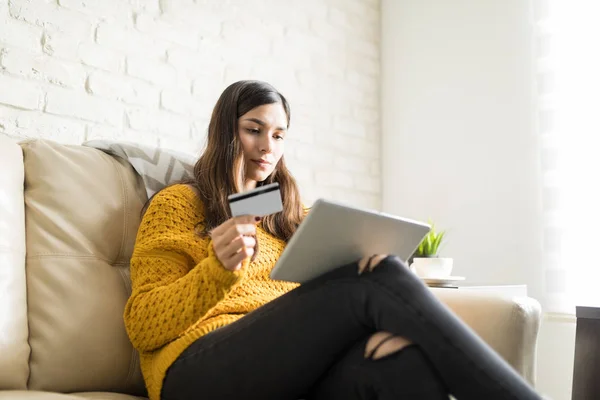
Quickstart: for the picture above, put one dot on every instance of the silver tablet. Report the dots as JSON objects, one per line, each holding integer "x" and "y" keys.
{"x": 333, "y": 235}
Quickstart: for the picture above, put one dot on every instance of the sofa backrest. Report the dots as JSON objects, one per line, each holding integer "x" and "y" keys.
{"x": 14, "y": 348}
{"x": 82, "y": 211}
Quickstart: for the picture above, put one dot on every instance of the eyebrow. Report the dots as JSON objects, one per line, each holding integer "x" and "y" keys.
{"x": 261, "y": 123}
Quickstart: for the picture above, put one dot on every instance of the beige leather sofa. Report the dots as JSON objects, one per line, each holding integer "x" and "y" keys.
{"x": 68, "y": 219}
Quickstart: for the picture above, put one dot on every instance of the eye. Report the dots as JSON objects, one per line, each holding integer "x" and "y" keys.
{"x": 253, "y": 130}
{"x": 278, "y": 137}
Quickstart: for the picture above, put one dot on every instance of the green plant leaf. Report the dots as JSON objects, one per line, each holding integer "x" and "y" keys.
{"x": 437, "y": 242}
{"x": 430, "y": 244}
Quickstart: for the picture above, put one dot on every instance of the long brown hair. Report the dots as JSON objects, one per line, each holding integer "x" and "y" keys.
{"x": 220, "y": 171}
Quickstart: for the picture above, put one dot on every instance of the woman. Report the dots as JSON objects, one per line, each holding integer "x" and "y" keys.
{"x": 209, "y": 323}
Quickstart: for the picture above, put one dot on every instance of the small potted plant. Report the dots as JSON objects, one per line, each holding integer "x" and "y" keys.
{"x": 426, "y": 262}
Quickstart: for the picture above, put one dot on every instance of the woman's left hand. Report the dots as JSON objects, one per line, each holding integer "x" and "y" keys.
{"x": 370, "y": 262}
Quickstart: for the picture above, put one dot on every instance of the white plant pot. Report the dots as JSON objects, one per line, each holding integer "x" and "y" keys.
{"x": 434, "y": 267}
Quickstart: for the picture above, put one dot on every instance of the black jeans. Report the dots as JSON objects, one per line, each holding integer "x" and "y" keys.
{"x": 310, "y": 343}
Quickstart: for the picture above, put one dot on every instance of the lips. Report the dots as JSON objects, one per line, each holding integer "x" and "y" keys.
{"x": 262, "y": 163}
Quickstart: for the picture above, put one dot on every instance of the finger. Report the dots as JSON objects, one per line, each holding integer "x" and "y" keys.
{"x": 242, "y": 219}
{"x": 232, "y": 265}
{"x": 376, "y": 260}
{"x": 362, "y": 264}
{"x": 242, "y": 241}
{"x": 233, "y": 232}
{"x": 241, "y": 256}
{"x": 238, "y": 244}
{"x": 219, "y": 230}
{"x": 249, "y": 241}
{"x": 247, "y": 219}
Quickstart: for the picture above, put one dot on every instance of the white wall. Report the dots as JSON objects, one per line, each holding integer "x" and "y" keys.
{"x": 150, "y": 71}
{"x": 458, "y": 143}
{"x": 459, "y": 146}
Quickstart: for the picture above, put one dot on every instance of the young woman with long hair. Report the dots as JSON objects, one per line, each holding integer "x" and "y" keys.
{"x": 209, "y": 323}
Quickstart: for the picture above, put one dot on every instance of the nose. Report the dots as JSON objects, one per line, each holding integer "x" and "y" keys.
{"x": 266, "y": 144}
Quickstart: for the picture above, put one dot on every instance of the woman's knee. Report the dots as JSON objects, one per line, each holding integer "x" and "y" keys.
{"x": 382, "y": 344}
{"x": 379, "y": 262}
{"x": 396, "y": 261}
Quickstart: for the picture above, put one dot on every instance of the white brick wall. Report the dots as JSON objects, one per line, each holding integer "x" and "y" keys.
{"x": 150, "y": 71}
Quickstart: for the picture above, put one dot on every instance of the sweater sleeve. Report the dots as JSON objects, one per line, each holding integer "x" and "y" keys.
{"x": 170, "y": 291}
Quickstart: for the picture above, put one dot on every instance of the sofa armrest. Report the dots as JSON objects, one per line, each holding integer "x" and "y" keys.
{"x": 509, "y": 325}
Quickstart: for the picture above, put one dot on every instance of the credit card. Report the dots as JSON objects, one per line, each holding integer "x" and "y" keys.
{"x": 262, "y": 201}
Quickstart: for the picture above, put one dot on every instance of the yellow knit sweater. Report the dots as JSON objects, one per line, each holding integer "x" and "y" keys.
{"x": 180, "y": 290}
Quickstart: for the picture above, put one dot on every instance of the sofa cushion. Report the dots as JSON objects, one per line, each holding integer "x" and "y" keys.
{"x": 36, "y": 395}
{"x": 14, "y": 349}
{"x": 82, "y": 214}
{"x": 156, "y": 166}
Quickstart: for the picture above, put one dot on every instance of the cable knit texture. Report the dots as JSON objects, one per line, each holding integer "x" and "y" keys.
{"x": 180, "y": 290}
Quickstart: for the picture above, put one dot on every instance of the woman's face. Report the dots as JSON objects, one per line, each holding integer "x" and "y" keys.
{"x": 262, "y": 131}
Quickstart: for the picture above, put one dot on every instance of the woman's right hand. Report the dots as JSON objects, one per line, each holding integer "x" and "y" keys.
{"x": 234, "y": 240}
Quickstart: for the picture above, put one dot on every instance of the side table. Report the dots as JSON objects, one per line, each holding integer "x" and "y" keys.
{"x": 586, "y": 367}
{"x": 502, "y": 290}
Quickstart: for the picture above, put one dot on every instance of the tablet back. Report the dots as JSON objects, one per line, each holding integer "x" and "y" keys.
{"x": 333, "y": 235}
